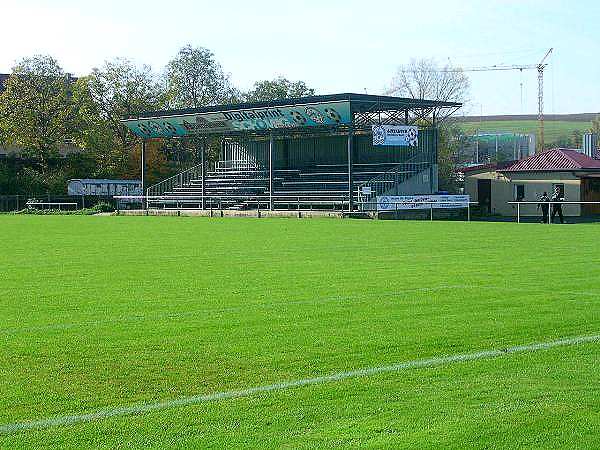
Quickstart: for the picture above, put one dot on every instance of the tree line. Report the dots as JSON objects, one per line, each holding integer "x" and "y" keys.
{"x": 66, "y": 127}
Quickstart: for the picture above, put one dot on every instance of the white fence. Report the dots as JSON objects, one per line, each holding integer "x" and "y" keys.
{"x": 549, "y": 206}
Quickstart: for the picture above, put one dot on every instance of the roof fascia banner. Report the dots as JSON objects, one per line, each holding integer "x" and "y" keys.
{"x": 252, "y": 119}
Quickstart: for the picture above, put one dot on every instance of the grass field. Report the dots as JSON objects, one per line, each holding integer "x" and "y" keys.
{"x": 553, "y": 129}
{"x": 101, "y": 313}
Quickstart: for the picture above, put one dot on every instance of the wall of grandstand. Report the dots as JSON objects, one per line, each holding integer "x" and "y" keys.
{"x": 305, "y": 151}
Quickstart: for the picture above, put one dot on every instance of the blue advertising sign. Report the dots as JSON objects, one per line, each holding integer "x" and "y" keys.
{"x": 400, "y": 135}
{"x": 253, "y": 119}
{"x": 398, "y": 202}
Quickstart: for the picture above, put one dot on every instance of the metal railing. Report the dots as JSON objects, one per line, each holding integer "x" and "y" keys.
{"x": 281, "y": 202}
{"x": 179, "y": 180}
{"x": 391, "y": 179}
{"x": 442, "y": 205}
{"x": 50, "y": 205}
{"x": 289, "y": 202}
{"x": 237, "y": 164}
{"x": 550, "y": 203}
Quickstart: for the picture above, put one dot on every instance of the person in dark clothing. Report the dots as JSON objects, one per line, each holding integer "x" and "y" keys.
{"x": 543, "y": 204}
{"x": 557, "y": 207}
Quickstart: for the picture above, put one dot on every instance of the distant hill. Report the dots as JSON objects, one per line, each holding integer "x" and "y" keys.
{"x": 559, "y": 129}
{"x": 579, "y": 117}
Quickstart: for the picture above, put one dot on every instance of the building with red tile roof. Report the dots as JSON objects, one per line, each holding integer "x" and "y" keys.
{"x": 575, "y": 174}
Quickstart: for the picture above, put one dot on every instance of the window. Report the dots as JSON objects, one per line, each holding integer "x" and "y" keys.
{"x": 519, "y": 192}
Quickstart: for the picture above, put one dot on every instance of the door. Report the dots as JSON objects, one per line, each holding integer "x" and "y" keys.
{"x": 590, "y": 192}
{"x": 484, "y": 194}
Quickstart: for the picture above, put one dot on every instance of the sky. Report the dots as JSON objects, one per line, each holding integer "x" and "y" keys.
{"x": 334, "y": 46}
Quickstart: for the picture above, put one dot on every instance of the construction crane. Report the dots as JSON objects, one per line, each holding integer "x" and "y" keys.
{"x": 540, "y": 69}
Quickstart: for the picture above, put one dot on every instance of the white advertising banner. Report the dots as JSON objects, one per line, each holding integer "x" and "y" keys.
{"x": 401, "y": 135}
{"x": 396, "y": 202}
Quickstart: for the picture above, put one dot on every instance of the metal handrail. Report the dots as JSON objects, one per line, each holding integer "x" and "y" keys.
{"x": 396, "y": 175}
{"x": 549, "y": 203}
{"x": 290, "y": 200}
{"x": 236, "y": 164}
{"x": 177, "y": 180}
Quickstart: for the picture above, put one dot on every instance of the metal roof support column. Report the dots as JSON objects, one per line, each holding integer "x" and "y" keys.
{"x": 433, "y": 179}
{"x": 203, "y": 168}
{"x": 271, "y": 143}
{"x": 143, "y": 170}
{"x": 350, "y": 174}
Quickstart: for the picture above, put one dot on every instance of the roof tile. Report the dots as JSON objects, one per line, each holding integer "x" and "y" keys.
{"x": 556, "y": 159}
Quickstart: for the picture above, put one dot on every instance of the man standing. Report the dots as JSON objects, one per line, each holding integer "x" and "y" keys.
{"x": 557, "y": 207}
{"x": 544, "y": 199}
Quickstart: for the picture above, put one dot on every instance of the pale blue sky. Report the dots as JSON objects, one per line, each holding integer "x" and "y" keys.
{"x": 335, "y": 45}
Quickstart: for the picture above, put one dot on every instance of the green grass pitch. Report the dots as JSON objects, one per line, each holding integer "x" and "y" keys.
{"x": 109, "y": 312}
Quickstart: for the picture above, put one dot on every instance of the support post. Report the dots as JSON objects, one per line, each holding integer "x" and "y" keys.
{"x": 203, "y": 168}
{"x": 271, "y": 143}
{"x": 143, "y": 170}
{"x": 350, "y": 174}
{"x": 435, "y": 183}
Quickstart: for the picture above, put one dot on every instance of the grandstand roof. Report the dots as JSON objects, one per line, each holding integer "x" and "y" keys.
{"x": 359, "y": 102}
{"x": 300, "y": 113}
{"x": 555, "y": 160}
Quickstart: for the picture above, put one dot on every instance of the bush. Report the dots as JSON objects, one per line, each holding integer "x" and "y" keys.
{"x": 101, "y": 207}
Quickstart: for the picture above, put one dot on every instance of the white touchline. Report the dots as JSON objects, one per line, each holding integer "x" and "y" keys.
{"x": 184, "y": 401}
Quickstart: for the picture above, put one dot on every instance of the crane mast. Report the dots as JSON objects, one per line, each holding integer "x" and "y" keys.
{"x": 540, "y": 69}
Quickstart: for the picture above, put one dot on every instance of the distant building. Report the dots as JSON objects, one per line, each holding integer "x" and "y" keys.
{"x": 576, "y": 174}
{"x": 3, "y": 78}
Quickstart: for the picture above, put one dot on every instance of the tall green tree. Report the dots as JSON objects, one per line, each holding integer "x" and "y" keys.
{"x": 451, "y": 139}
{"x": 194, "y": 79}
{"x": 278, "y": 88}
{"x": 117, "y": 89}
{"x": 37, "y": 111}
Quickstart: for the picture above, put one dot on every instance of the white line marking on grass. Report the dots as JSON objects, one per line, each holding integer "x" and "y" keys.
{"x": 142, "y": 408}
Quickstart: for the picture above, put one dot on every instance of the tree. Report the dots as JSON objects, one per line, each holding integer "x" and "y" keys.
{"x": 595, "y": 128}
{"x": 195, "y": 79}
{"x": 116, "y": 90}
{"x": 451, "y": 139}
{"x": 424, "y": 80}
{"x": 157, "y": 168}
{"x": 278, "y": 88}
{"x": 37, "y": 111}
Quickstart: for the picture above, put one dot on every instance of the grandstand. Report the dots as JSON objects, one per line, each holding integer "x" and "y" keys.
{"x": 310, "y": 152}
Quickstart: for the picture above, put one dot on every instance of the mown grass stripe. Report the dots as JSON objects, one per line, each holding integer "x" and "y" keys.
{"x": 185, "y": 401}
